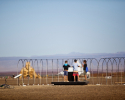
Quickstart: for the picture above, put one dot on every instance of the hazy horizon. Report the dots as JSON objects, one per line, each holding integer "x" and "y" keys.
{"x": 10, "y": 63}
{"x": 72, "y": 53}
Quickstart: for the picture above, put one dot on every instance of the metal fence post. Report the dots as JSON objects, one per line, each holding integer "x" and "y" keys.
{"x": 40, "y": 71}
{"x": 121, "y": 74}
{"x": 23, "y": 72}
{"x": 106, "y": 72}
{"x": 52, "y": 70}
{"x": 58, "y": 70}
{"x": 46, "y": 69}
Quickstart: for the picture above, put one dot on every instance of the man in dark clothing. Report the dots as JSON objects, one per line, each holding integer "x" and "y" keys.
{"x": 13, "y": 76}
{"x": 66, "y": 66}
{"x": 84, "y": 68}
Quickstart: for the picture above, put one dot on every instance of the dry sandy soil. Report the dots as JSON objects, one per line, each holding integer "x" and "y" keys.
{"x": 82, "y": 92}
{"x": 92, "y": 80}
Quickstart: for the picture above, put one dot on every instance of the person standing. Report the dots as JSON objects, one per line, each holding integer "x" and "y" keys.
{"x": 66, "y": 66}
{"x": 75, "y": 70}
{"x": 6, "y": 80}
{"x": 84, "y": 69}
{"x": 13, "y": 76}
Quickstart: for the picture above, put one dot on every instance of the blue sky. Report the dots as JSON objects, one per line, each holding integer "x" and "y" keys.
{"x": 48, "y": 27}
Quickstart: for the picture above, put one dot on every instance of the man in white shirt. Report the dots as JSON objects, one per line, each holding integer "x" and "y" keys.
{"x": 75, "y": 70}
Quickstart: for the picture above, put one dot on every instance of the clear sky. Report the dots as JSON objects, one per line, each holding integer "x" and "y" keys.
{"x": 48, "y": 27}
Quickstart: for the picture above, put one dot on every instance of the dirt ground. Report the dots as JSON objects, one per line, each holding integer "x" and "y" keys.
{"x": 92, "y": 81}
{"x": 82, "y": 92}
{"x": 64, "y": 92}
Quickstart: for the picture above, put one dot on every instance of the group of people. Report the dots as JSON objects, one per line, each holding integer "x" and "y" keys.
{"x": 75, "y": 70}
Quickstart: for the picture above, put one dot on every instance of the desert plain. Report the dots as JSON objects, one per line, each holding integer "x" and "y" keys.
{"x": 62, "y": 92}
{"x": 49, "y": 92}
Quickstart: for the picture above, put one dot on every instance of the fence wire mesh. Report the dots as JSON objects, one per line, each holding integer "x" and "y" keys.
{"x": 105, "y": 71}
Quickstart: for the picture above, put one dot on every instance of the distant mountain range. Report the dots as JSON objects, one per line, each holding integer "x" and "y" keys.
{"x": 10, "y": 63}
{"x": 80, "y": 55}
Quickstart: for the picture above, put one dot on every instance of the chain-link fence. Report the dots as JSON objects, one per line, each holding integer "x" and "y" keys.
{"x": 104, "y": 71}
